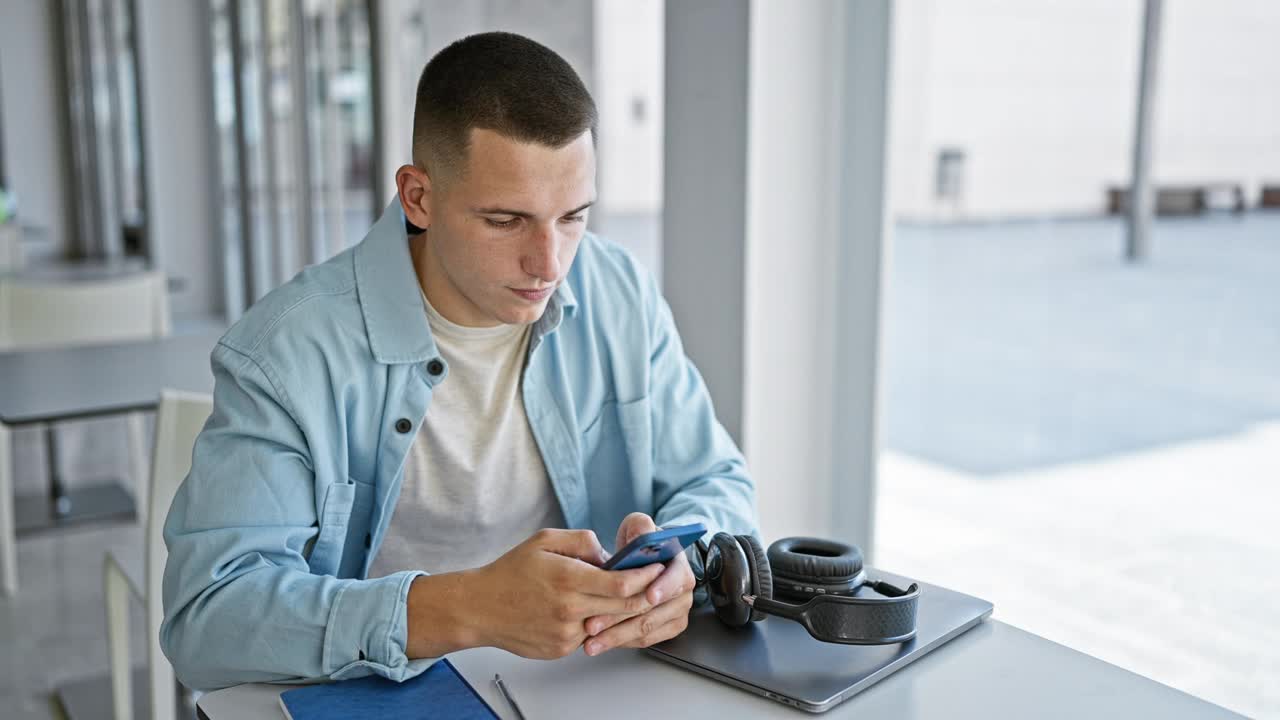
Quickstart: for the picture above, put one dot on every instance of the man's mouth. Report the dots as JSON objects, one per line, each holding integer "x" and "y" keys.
{"x": 536, "y": 295}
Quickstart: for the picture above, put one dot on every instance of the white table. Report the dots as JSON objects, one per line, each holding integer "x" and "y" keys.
{"x": 992, "y": 671}
{"x": 42, "y": 386}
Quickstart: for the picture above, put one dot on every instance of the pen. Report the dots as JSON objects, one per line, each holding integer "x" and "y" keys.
{"x": 502, "y": 688}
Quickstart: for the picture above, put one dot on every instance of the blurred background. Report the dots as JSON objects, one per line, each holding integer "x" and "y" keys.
{"x": 898, "y": 236}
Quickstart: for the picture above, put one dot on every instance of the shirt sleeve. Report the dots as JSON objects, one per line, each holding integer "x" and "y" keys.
{"x": 699, "y": 472}
{"x": 240, "y": 602}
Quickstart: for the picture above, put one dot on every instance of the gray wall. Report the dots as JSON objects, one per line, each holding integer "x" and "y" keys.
{"x": 182, "y": 189}
{"x": 36, "y": 156}
{"x": 705, "y": 192}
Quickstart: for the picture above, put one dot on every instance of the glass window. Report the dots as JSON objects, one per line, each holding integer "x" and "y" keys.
{"x": 293, "y": 86}
{"x": 629, "y": 93}
{"x": 1089, "y": 442}
{"x": 108, "y": 159}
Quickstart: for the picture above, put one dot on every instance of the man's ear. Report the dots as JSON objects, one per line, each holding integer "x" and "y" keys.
{"x": 414, "y": 187}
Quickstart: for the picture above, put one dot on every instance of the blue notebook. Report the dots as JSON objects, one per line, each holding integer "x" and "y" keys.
{"x": 440, "y": 692}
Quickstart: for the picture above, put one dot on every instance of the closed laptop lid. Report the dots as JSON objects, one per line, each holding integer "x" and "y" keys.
{"x": 777, "y": 658}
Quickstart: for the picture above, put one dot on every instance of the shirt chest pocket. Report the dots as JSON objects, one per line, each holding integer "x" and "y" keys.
{"x": 339, "y": 516}
{"x": 617, "y": 443}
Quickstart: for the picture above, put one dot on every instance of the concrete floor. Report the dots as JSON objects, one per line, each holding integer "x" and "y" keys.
{"x": 1024, "y": 344}
{"x": 54, "y": 630}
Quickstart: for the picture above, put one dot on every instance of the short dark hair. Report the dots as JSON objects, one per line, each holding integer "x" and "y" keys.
{"x": 496, "y": 81}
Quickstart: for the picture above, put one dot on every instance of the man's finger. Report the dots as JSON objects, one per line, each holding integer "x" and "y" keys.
{"x": 636, "y": 628}
{"x": 611, "y": 583}
{"x": 592, "y": 606}
{"x": 599, "y": 623}
{"x": 580, "y": 544}
{"x": 633, "y": 526}
{"x": 675, "y": 579}
{"x": 666, "y": 632}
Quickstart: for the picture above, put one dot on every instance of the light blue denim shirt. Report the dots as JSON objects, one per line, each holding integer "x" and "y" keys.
{"x": 319, "y": 391}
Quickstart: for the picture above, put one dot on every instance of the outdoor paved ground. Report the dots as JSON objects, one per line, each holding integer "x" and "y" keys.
{"x": 1018, "y": 345}
{"x": 1092, "y": 446}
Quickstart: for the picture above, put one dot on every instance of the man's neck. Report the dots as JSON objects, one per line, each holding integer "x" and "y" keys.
{"x": 436, "y": 285}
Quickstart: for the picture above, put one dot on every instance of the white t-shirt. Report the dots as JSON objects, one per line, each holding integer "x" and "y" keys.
{"x": 474, "y": 482}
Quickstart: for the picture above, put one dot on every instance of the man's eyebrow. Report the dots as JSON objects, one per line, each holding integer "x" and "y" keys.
{"x": 522, "y": 213}
{"x": 501, "y": 211}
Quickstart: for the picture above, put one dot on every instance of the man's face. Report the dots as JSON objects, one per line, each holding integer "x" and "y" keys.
{"x": 504, "y": 233}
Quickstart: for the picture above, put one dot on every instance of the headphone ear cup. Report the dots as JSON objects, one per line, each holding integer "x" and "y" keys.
{"x": 761, "y": 575}
{"x": 729, "y": 577}
{"x": 804, "y": 567}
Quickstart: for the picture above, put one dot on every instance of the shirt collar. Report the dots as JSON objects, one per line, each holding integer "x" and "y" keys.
{"x": 391, "y": 301}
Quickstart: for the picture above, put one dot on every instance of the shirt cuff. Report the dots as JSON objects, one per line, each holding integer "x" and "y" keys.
{"x": 368, "y": 630}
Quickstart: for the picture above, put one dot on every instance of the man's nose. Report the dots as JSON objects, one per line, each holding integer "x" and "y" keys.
{"x": 542, "y": 254}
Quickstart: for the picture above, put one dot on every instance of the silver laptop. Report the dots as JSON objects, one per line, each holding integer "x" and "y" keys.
{"x": 776, "y": 658}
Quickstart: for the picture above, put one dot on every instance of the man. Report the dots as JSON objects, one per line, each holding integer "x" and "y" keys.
{"x": 441, "y": 398}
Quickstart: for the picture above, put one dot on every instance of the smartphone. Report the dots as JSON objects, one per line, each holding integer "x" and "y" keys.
{"x": 656, "y": 547}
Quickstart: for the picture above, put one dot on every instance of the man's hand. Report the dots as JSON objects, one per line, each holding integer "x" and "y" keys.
{"x": 668, "y": 599}
{"x": 532, "y": 602}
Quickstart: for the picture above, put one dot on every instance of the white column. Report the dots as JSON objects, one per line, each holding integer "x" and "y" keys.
{"x": 863, "y": 233}
{"x": 774, "y": 225}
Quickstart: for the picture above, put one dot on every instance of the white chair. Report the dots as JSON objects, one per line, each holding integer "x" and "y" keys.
{"x": 62, "y": 309}
{"x": 11, "y": 255}
{"x": 179, "y": 419}
{"x": 37, "y": 313}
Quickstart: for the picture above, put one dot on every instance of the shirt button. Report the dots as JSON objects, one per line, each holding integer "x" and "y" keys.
{"x": 435, "y": 367}
{"x": 403, "y": 426}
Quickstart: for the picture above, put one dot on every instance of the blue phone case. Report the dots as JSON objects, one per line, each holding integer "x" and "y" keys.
{"x": 655, "y": 547}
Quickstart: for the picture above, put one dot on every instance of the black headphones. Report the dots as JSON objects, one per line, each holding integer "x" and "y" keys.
{"x": 742, "y": 582}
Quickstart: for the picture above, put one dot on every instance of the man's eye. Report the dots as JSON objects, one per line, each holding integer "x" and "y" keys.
{"x": 501, "y": 223}
{"x": 573, "y": 218}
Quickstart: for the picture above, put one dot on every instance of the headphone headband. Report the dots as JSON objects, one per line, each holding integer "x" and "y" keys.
{"x": 851, "y": 620}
